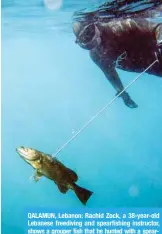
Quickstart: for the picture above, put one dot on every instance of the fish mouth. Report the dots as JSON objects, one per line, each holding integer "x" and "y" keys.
{"x": 26, "y": 153}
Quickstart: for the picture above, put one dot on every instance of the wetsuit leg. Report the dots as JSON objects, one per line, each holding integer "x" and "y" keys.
{"x": 111, "y": 74}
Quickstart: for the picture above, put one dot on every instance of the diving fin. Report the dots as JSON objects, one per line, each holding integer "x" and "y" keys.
{"x": 82, "y": 193}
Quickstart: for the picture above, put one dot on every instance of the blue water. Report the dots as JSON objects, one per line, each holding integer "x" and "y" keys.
{"x": 50, "y": 89}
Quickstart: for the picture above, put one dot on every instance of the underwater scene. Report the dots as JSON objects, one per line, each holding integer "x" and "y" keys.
{"x": 51, "y": 89}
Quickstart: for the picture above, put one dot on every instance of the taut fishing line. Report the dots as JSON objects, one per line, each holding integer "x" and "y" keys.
{"x": 102, "y": 110}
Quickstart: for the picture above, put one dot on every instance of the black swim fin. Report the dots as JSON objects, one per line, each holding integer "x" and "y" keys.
{"x": 82, "y": 194}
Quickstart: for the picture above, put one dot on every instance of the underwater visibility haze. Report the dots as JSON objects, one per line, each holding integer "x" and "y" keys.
{"x": 50, "y": 89}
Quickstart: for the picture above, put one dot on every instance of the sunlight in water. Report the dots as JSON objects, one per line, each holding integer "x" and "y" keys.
{"x": 53, "y": 4}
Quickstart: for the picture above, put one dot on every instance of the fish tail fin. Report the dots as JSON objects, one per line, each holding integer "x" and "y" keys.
{"x": 82, "y": 193}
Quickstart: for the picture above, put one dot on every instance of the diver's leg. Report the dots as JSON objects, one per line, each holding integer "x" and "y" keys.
{"x": 111, "y": 74}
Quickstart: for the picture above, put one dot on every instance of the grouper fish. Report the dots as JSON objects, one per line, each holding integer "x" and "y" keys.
{"x": 50, "y": 167}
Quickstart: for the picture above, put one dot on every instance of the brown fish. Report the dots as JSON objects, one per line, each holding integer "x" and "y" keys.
{"x": 50, "y": 167}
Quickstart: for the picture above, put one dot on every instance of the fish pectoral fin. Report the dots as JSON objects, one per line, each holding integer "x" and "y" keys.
{"x": 62, "y": 188}
{"x": 72, "y": 174}
{"x": 37, "y": 176}
{"x": 31, "y": 177}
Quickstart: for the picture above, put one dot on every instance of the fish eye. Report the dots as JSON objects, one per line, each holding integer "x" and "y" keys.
{"x": 25, "y": 149}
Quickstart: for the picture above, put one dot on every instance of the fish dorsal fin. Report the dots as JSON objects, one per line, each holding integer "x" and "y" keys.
{"x": 62, "y": 188}
{"x": 72, "y": 174}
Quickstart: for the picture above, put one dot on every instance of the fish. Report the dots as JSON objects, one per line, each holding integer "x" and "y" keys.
{"x": 50, "y": 167}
